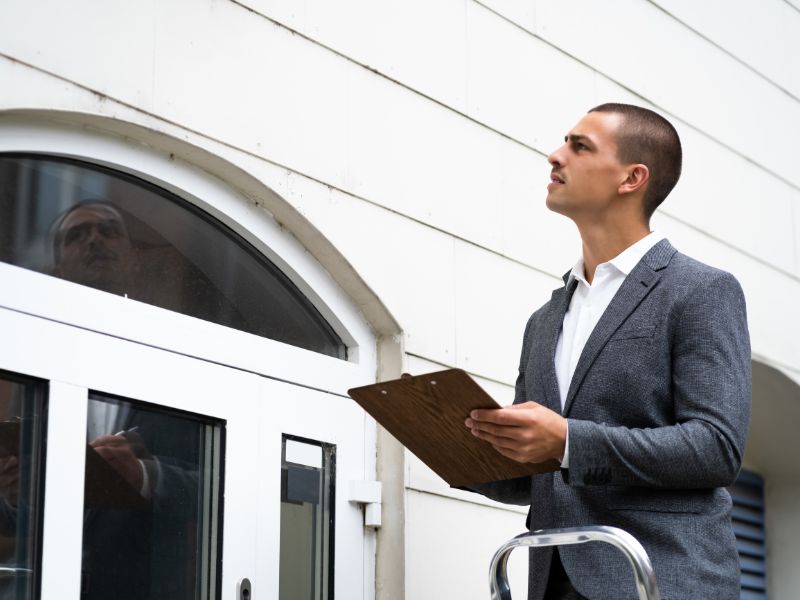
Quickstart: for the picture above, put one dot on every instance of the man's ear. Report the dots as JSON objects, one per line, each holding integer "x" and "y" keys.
{"x": 638, "y": 176}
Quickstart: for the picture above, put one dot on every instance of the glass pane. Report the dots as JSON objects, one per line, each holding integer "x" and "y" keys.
{"x": 21, "y": 460}
{"x": 307, "y": 519}
{"x": 125, "y": 236}
{"x": 151, "y": 503}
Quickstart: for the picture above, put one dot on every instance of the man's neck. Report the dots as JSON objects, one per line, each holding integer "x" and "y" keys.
{"x": 602, "y": 243}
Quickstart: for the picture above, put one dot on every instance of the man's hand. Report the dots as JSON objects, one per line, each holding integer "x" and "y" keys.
{"x": 117, "y": 452}
{"x": 526, "y": 433}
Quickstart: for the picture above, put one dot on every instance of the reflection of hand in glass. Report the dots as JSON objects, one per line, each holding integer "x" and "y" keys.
{"x": 121, "y": 453}
{"x": 9, "y": 479}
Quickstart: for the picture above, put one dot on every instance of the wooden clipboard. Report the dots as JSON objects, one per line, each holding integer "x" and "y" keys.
{"x": 426, "y": 414}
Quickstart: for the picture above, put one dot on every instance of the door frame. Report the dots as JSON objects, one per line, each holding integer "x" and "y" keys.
{"x": 184, "y": 334}
{"x": 66, "y": 304}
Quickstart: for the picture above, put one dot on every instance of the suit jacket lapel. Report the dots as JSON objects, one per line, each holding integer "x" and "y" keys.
{"x": 637, "y": 285}
{"x": 559, "y": 302}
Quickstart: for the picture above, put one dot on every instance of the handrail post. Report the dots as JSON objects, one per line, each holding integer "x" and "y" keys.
{"x": 633, "y": 550}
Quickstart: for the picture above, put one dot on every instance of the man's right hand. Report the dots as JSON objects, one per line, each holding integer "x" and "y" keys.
{"x": 526, "y": 433}
{"x": 116, "y": 450}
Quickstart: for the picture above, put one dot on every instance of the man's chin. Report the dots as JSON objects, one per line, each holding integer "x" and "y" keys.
{"x": 555, "y": 206}
{"x": 100, "y": 279}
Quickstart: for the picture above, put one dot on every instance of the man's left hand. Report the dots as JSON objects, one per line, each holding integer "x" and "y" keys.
{"x": 526, "y": 432}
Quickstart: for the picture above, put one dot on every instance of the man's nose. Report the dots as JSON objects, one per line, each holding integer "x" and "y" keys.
{"x": 94, "y": 235}
{"x": 555, "y": 158}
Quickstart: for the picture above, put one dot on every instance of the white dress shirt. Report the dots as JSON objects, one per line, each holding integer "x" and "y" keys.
{"x": 587, "y": 305}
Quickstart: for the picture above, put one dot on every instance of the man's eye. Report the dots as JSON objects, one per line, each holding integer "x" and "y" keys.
{"x": 74, "y": 235}
{"x": 109, "y": 230}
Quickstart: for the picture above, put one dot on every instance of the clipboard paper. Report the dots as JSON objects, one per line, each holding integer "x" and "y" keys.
{"x": 426, "y": 414}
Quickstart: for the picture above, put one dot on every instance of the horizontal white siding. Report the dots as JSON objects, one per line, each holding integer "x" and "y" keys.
{"x": 413, "y": 255}
{"x": 771, "y": 296}
{"x": 418, "y": 42}
{"x": 450, "y": 544}
{"x": 728, "y": 197}
{"x": 646, "y": 50}
{"x": 762, "y": 34}
{"x": 433, "y": 165}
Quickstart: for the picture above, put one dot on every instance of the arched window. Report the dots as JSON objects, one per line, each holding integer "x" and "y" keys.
{"x": 115, "y": 232}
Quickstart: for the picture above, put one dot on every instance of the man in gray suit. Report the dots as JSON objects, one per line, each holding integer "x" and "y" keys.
{"x": 635, "y": 375}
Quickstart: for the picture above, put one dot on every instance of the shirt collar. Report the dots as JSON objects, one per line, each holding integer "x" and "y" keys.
{"x": 630, "y": 257}
{"x": 625, "y": 261}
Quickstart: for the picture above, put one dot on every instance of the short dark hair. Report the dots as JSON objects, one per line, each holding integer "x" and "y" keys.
{"x": 646, "y": 137}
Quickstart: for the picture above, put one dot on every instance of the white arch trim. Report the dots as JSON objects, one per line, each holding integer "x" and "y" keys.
{"x": 235, "y": 198}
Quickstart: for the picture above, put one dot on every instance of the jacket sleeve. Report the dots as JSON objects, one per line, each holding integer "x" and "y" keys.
{"x": 711, "y": 388}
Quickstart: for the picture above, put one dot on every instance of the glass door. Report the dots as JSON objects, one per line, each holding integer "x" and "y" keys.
{"x": 192, "y": 369}
{"x": 312, "y": 543}
{"x": 150, "y": 486}
{"x": 172, "y": 477}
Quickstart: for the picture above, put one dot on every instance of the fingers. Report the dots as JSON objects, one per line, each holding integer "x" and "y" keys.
{"x": 498, "y": 431}
{"x": 514, "y": 415}
{"x": 526, "y": 432}
{"x": 123, "y": 461}
{"x": 113, "y": 452}
{"x": 109, "y": 440}
{"x": 106, "y": 453}
{"x": 493, "y": 439}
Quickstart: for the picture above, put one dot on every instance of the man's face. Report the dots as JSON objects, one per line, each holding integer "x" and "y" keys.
{"x": 95, "y": 249}
{"x": 586, "y": 174}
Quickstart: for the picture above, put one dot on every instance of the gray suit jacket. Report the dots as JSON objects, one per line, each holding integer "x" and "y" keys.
{"x": 658, "y": 412}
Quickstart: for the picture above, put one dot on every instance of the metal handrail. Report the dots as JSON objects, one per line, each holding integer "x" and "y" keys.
{"x": 633, "y": 550}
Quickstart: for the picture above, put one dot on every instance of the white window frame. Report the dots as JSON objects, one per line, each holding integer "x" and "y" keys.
{"x": 28, "y": 292}
{"x": 66, "y": 302}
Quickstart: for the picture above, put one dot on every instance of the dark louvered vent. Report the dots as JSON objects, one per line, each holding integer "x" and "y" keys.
{"x": 748, "y": 525}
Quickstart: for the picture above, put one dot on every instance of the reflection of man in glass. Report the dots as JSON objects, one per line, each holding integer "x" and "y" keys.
{"x": 141, "y": 511}
{"x": 91, "y": 246}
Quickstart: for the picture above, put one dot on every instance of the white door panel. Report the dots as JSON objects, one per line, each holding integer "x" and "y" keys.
{"x": 76, "y": 360}
{"x": 257, "y": 412}
{"x": 332, "y": 419}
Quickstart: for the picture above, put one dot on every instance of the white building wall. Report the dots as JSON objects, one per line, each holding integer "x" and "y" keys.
{"x": 414, "y": 135}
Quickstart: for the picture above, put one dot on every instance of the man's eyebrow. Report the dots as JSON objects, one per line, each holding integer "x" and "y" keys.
{"x": 576, "y": 137}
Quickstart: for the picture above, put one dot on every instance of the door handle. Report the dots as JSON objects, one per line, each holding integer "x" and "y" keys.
{"x": 244, "y": 590}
